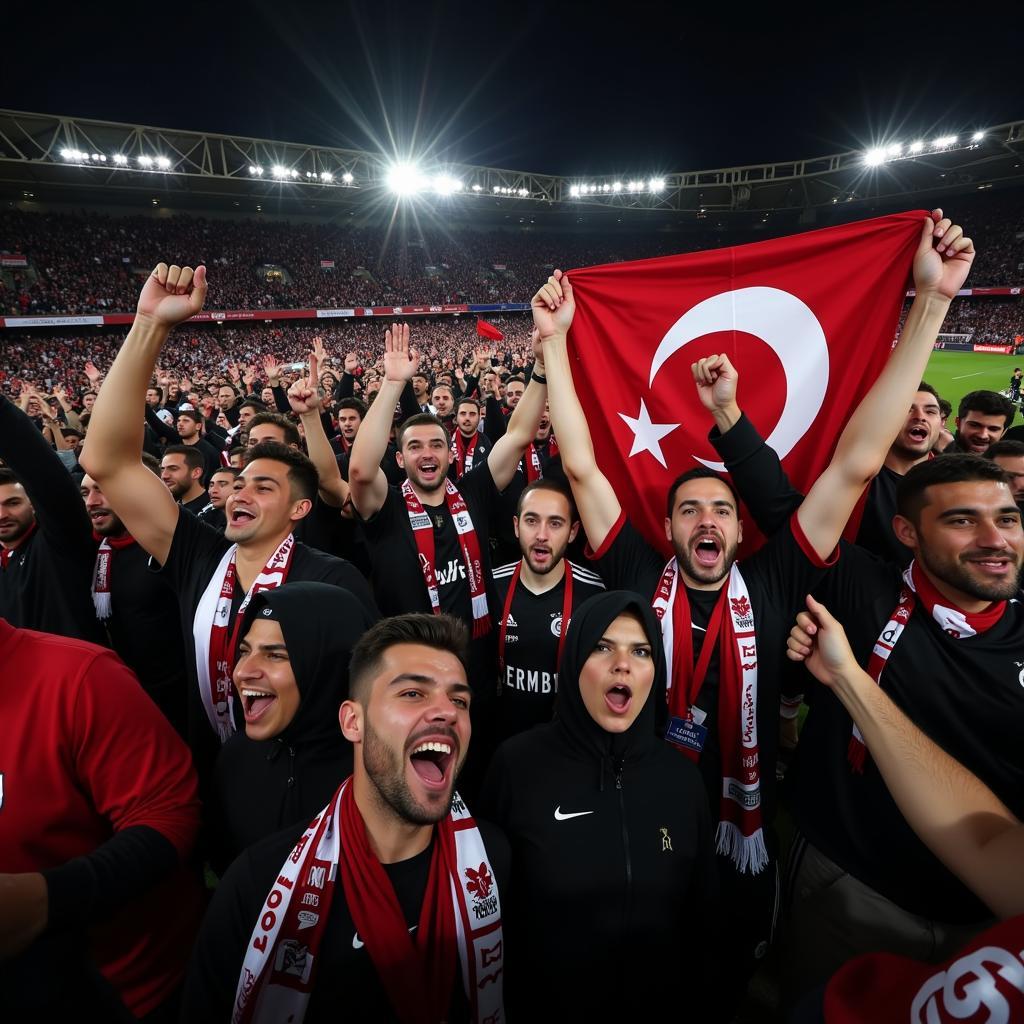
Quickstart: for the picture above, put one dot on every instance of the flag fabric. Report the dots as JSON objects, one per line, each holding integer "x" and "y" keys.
{"x": 486, "y": 330}
{"x": 807, "y": 320}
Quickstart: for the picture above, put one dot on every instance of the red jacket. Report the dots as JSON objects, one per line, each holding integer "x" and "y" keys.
{"x": 84, "y": 753}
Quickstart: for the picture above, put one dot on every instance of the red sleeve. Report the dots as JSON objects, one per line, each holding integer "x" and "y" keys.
{"x": 807, "y": 548}
{"x": 608, "y": 541}
{"x": 127, "y": 758}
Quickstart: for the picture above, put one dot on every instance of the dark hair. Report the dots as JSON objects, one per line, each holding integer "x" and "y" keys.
{"x": 946, "y": 469}
{"x": 925, "y": 386}
{"x": 991, "y": 403}
{"x": 353, "y": 403}
{"x": 515, "y": 377}
{"x": 252, "y": 403}
{"x": 697, "y": 473}
{"x": 193, "y": 456}
{"x": 233, "y": 470}
{"x": 467, "y": 400}
{"x": 192, "y": 414}
{"x": 555, "y": 484}
{"x": 303, "y": 479}
{"x": 151, "y": 463}
{"x": 945, "y": 408}
{"x": 291, "y": 432}
{"x": 237, "y": 450}
{"x": 159, "y": 390}
{"x": 444, "y": 387}
{"x": 422, "y": 419}
{"x": 1013, "y": 448}
{"x": 8, "y": 476}
{"x": 442, "y": 632}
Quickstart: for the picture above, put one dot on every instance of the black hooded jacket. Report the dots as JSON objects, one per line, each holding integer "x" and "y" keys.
{"x": 614, "y": 882}
{"x": 262, "y": 786}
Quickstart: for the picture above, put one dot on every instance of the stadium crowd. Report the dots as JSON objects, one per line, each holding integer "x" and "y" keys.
{"x": 90, "y": 262}
{"x": 265, "y": 593}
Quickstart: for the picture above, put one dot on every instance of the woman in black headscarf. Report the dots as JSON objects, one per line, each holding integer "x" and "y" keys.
{"x": 290, "y": 677}
{"x": 613, "y": 873}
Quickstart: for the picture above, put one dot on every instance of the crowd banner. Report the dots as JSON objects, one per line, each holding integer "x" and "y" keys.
{"x": 1005, "y": 350}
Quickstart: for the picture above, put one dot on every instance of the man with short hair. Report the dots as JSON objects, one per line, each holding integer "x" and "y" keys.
{"x": 189, "y": 426}
{"x": 227, "y": 400}
{"x": 515, "y": 386}
{"x": 273, "y": 426}
{"x": 350, "y": 413}
{"x": 443, "y": 400}
{"x": 537, "y": 596}
{"x": 388, "y": 905}
{"x": 246, "y": 411}
{"x": 154, "y": 398}
{"x": 221, "y": 485}
{"x": 421, "y": 389}
{"x": 181, "y": 470}
{"x": 46, "y": 546}
{"x": 469, "y": 445}
{"x": 982, "y": 419}
{"x": 214, "y": 574}
{"x": 1009, "y": 456}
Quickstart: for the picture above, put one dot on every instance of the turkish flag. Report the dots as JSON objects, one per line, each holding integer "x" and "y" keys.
{"x": 486, "y": 330}
{"x": 808, "y": 321}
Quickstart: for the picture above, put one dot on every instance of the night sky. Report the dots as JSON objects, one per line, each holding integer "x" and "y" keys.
{"x": 567, "y": 89}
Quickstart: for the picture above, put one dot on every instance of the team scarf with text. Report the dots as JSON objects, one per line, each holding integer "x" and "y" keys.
{"x": 423, "y": 535}
{"x": 461, "y": 911}
{"x": 462, "y": 452}
{"x": 531, "y": 460}
{"x": 740, "y": 833}
{"x": 954, "y": 622}
{"x": 215, "y": 641}
{"x": 102, "y": 574}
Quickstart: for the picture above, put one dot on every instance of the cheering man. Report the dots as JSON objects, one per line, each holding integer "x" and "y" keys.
{"x": 388, "y": 905}
{"x": 469, "y": 445}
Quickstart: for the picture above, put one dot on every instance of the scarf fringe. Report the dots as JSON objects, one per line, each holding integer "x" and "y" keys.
{"x": 101, "y": 602}
{"x": 748, "y": 853}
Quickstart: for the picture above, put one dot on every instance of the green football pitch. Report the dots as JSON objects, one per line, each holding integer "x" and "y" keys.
{"x": 953, "y": 374}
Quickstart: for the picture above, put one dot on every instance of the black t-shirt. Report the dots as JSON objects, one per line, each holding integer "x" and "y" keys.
{"x": 528, "y": 682}
{"x": 211, "y": 457}
{"x": 876, "y": 533}
{"x": 196, "y": 505}
{"x": 214, "y": 517}
{"x": 778, "y": 578}
{"x": 345, "y": 975}
{"x": 196, "y": 552}
{"x": 966, "y": 694}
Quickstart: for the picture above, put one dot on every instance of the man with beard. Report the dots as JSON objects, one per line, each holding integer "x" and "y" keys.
{"x": 391, "y": 886}
{"x": 537, "y": 595}
{"x": 181, "y": 470}
{"x": 443, "y": 400}
{"x": 214, "y": 574}
{"x": 942, "y": 638}
{"x": 134, "y": 605}
{"x": 724, "y": 624}
{"x": 189, "y": 432}
{"x": 46, "y": 546}
{"x": 1009, "y": 456}
{"x": 469, "y": 445}
{"x": 982, "y": 418}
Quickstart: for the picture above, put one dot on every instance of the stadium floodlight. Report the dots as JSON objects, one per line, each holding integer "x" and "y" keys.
{"x": 977, "y": 136}
{"x": 255, "y": 170}
{"x": 347, "y": 178}
{"x": 574, "y": 191}
{"x": 326, "y": 177}
{"x": 163, "y": 163}
{"x": 405, "y": 179}
{"x": 477, "y": 188}
{"x": 874, "y": 157}
{"x": 636, "y": 186}
{"x": 120, "y": 159}
{"x": 916, "y": 147}
{"x": 294, "y": 173}
{"x": 945, "y": 142}
{"x": 146, "y": 161}
{"x": 66, "y": 154}
{"x": 496, "y": 189}
{"x": 894, "y": 149}
{"x": 279, "y": 171}
{"x": 524, "y": 192}
{"x": 446, "y": 185}
{"x": 657, "y": 184}
{"x": 617, "y": 186}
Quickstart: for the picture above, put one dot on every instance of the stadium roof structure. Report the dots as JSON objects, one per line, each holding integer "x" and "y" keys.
{"x": 77, "y": 159}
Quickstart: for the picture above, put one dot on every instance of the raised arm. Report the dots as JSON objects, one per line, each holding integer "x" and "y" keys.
{"x": 599, "y": 508}
{"x": 953, "y": 812}
{"x": 304, "y": 397}
{"x": 114, "y": 445}
{"x": 366, "y": 479}
{"x": 506, "y": 454}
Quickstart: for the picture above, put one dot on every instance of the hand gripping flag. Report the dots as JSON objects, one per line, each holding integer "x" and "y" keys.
{"x": 808, "y": 321}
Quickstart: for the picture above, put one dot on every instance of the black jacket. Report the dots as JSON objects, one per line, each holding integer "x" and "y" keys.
{"x": 614, "y": 881}
{"x": 261, "y": 787}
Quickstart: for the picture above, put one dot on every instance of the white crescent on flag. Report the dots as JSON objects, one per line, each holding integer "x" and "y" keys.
{"x": 781, "y": 321}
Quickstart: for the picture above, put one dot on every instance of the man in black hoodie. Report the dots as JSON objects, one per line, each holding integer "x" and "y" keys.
{"x": 611, "y": 835}
{"x": 290, "y": 679}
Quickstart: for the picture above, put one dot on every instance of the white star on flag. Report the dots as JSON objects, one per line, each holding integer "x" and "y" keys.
{"x": 647, "y": 435}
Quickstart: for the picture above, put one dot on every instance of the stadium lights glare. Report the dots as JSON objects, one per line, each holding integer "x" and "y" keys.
{"x": 636, "y": 186}
{"x": 120, "y": 159}
{"x": 326, "y": 177}
{"x": 874, "y": 157}
{"x": 617, "y": 186}
{"x": 657, "y": 184}
{"x": 446, "y": 185}
{"x": 524, "y": 192}
{"x": 163, "y": 163}
{"x": 894, "y": 149}
{"x": 146, "y": 161}
{"x": 405, "y": 179}
{"x": 945, "y": 142}
{"x": 916, "y": 147}
{"x": 347, "y": 178}
{"x": 255, "y": 170}
{"x": 977, "y": 136}
{"x": 574, "y": 191}
{"x": 477, "y": 188}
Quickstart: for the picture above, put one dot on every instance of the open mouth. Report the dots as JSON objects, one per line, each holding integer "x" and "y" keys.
{"x": 241, "y": 516}
{"x": 618, "y": 699}
{"x": 706, "y": 550}
{"x": 431, "y": 761}
{"x": 256, "y": 703}
{"x": 541, "y": 554}
{"x": 917, "y": 434}
{"x": 993, "y": 566}
{"x": 428, "y": 468}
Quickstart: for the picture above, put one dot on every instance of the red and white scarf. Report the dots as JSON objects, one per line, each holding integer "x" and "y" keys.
{"x": 423, "y": 535}
{"x": 216, "y": 636}
{"x": 956, "y": 623}
{"x": 531, "y": 460}
{"x": 740, "y": 834}
{"x": 6, "y": 554}
{"x": 102, "y": 574}
{"x": 462, "y": 452}
{"x": 461, "y": 910}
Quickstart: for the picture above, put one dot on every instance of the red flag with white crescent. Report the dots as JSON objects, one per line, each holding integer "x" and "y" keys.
{"x": 807, "y": 320}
